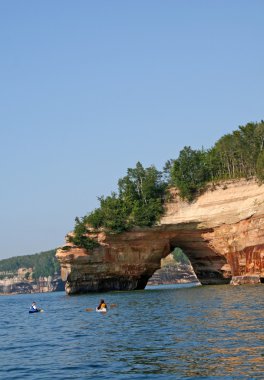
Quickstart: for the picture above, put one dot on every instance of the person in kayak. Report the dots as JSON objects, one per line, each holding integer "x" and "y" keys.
{"x": 33, "y": 307}
{"x": 102, "y": 305}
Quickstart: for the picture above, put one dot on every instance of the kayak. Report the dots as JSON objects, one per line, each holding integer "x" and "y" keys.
{"x": 35, "y": 311}
{"x": 102, "y": 310}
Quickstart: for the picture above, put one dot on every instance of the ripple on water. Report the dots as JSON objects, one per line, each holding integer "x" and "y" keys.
{"x": 201, "y": 332}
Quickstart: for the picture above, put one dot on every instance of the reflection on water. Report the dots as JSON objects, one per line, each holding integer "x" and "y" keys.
{"x": 185, "y": 332}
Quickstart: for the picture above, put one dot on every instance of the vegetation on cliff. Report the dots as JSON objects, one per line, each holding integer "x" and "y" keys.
{"x": 139, "y": 202}
{"x": 142, "y": 192}
{"x": 236, "y": 155}
{"x": 43, "y": 264}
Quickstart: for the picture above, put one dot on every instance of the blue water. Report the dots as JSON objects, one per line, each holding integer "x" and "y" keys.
{"x": 213, "y": 332}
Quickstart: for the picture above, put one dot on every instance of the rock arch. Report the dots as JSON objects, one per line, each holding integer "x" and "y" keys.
{"x": 127, "y": 261}
{"x": 222, "y": 234}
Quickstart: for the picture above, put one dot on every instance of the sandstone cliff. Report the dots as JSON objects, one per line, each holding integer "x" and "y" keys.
{"x": 19, "y": 284}
{"x": 222, "y": 233}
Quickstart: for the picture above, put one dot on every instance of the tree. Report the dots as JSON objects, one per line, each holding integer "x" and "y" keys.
{"x": 139, "y": 202}
{"x": 142, "y": 190}
{"x": 180, "y": 256}
{"x": 259, "y": 135}
{"x": 114, "y": 213}
{"x": 80, "y": 237}
{"x": 260, "y": 166}
{"x": 167, "y": 171}
{"x": 190, "y": 172}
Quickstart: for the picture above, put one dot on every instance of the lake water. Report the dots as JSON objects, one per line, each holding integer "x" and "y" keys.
{"x": 210, "y": 332}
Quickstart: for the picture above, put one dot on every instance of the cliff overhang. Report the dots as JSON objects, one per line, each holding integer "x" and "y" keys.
{"x": 221, "y": 232}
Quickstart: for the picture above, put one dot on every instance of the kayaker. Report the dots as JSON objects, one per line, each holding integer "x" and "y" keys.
{"x": 34, "y": 307}
{"x": 102, "y": 305}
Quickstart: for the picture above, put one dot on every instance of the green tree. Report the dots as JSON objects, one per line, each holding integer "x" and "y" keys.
{"x": 142, "y": 192}
{"x": 259, "y": 136}
{"x": 238, "y": 152}
{"x": 190, "y": 172}
{"x": 180, "y": 256}
{"x": 260, "y": 166}
{"x": 114, "y": 213}
{"x": 167, "y": 171}
{"x": 139, "y": 202}
{"x": 80, "y": 237}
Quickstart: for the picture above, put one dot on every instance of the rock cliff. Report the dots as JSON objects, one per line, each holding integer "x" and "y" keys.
{"x": 172, "y": 272}
{"x": 18, "y": 284}
{"x": 222, "y": 233}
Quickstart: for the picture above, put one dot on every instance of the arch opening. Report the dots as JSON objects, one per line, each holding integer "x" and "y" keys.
{"x": 175, "y": 268}
{"x": 208, "y": 266}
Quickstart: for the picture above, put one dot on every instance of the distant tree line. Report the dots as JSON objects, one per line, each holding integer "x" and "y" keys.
{"x": 143, "y": 191}
{"x": 180, "y": 257}
{"x": 43, "y": 264}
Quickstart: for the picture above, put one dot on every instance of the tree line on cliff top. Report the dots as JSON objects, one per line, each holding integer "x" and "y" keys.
{"x": 142, "y": 192}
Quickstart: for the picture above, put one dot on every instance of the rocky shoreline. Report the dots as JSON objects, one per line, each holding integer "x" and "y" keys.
{"x": 18, "y": 285}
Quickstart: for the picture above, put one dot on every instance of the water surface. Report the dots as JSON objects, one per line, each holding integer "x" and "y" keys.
{"x": 213, "y": 332}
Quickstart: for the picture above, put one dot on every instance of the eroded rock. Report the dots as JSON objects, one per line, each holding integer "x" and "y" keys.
{"x": 222, "y": 233}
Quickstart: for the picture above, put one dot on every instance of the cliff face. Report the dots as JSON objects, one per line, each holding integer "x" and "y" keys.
{"x": 20, "y": 285}
{"x": 222, "y": 233}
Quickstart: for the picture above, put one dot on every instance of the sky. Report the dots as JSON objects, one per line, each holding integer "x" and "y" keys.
{"x": 89, "y": 88}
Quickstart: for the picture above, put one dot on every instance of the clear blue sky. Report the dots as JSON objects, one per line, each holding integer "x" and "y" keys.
{"x": 88, "y": 88}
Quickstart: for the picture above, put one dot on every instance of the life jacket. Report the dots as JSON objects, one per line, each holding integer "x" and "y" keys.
{"x": 103, "y": 306}
{"x": 32, "y": 310}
